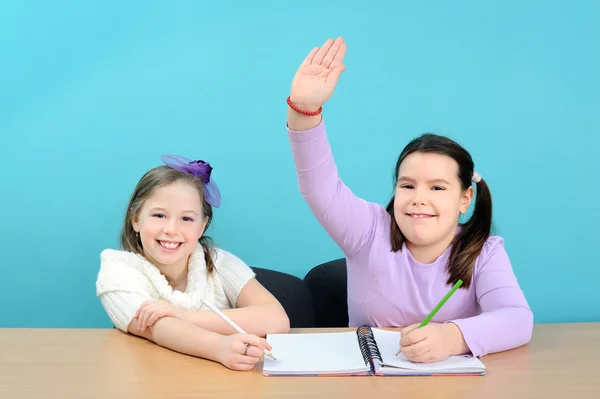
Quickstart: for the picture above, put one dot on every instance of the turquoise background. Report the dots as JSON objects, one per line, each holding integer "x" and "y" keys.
{"x": 92, "y": 93}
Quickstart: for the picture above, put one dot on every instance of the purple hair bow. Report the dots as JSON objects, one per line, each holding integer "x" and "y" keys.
{"x": 197, "y": 168}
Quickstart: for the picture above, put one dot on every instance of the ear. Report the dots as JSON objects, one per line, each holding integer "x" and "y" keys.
{"x": 465, "y": 200}
{"x": 204, "y": 223}
{"x": 135, "y": 224}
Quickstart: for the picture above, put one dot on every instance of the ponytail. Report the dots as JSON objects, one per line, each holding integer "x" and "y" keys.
{"x": 471, "y": 238}
{"x": 207, "y": 247}
{"x": 396, "y": 236}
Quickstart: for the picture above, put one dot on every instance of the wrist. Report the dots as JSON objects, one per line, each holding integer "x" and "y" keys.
{"x": 214, "y": 343}
{"x": 304, "y": 107}
{"x": 221, "y": 349}
{"x": 457, "y": 346}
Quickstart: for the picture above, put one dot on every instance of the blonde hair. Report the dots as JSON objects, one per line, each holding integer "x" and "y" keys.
{"x": 158, "y": 177}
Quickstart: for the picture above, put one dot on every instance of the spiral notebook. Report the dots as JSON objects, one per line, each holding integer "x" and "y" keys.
{"x": 366, "y": 351}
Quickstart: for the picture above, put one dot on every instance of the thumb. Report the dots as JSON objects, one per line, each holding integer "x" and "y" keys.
{"x": 265, "y": 344}
{"x": 334, "y": 75}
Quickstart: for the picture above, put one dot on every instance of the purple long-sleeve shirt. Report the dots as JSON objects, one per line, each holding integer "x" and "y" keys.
{"x": 388, "y": 288}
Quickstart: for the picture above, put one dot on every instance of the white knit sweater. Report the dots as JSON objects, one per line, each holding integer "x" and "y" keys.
{"x": 126, "y": 280}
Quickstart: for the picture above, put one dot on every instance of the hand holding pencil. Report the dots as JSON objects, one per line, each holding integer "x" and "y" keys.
{"x": 236, "y": 327}
{"x": 432, "y": 342}
{"x": 241, "y": 351}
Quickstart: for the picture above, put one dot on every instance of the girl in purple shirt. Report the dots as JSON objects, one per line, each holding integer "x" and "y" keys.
{"x": 404, "y": 257}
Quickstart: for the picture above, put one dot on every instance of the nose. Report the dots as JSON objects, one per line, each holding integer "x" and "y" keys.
{"x": 170, "y": 228}
{"x": 420, "y": 198}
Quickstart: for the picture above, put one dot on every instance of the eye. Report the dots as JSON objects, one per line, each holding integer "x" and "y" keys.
{"x": 187, "y": 219}
{"x": 437, "y": 188}
{"x": 158, "y": 215}
{"x": 407, "y": 186}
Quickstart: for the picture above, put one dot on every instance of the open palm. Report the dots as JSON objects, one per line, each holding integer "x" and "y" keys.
{"x": 318, "y": 75}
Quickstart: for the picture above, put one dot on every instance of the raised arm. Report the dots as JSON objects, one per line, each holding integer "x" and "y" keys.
{"x": 348, "y": 220}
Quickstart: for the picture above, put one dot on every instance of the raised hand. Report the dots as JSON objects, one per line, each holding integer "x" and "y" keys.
{"x": 318, "y": 75}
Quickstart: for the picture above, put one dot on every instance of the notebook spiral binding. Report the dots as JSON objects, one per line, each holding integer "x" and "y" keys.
{"x": 368, "y": 346}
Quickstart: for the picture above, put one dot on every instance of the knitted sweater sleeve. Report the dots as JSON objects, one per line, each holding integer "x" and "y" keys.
{"x": 122, "y": 286}
{"x": 120, "y": 306}
{"x": 233, "y": 273}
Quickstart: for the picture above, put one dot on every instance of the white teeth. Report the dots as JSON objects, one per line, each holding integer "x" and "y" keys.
{"x": 170, "y": 245}
{"x": 415, "y": 216}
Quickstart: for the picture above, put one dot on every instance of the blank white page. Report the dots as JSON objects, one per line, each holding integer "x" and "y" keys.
{"x": 389, "y": 343}
{"x": 318, "y": 353}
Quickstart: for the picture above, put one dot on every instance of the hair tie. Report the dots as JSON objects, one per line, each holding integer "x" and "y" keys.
{"x": 200, "y": 169}
{"x": 476, "y": 177}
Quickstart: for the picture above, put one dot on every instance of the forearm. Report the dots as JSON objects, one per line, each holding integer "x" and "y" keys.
{"x": 259, "y": 320}
{"x": 498, "y": 330}
{"x": 181, "y": 336}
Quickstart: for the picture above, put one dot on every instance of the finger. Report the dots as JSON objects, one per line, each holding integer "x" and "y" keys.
{"x": 242, "y": 349}
{"x": 310, "y": 57}
{"x": 424, "y": 358}
{"x": 250, "y": 339}
{"x": 141, "y": 314}
{"x": 141, "y": 324}
{"x": 408, "y": 329}
{"x": 147, "y": 305}
{"x": 243, "y": 366}
{"x": 143, "y": 320}
{"x": 147, "y": 314}
{"x": 331, "y": 54}
{"x": 334, "y": 76}
{"x": 414, "y": 336}
{"x": 157, "y": 314}
{"x": 139, "y": 310}
{"x": 266, "y": 345}
{"x": 318, "y": 58}
{"x": 416, "y": 350}
{"x": 339, "y": 57}
{"x": 254, "y": 352}
{"x": 149, "y": 311}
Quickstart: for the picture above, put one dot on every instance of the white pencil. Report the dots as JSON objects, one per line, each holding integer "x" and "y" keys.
{"x": 232, "y": 324}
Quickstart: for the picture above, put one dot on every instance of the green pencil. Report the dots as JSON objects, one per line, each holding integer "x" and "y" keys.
{"x": 439, "y": 305}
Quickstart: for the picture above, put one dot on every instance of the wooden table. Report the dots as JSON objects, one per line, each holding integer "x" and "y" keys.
{"x": 562, "y": 361}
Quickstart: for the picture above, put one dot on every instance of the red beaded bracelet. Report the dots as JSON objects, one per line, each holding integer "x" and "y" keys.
{"x": 301, "y": 111}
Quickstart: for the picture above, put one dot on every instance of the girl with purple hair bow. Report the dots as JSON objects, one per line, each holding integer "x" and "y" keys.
{"x": 157, "y": 284}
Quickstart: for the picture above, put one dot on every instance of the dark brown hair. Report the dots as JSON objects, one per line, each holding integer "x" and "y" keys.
{"x": 469, "y": 241}
{"x": 153, "y": 179}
